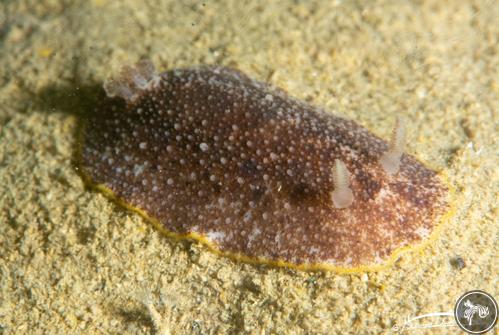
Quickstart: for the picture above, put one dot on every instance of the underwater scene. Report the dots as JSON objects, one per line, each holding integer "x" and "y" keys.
{"x": 249, "y": 167}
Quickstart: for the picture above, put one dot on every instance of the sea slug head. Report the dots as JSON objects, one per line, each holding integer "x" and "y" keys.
{"x": 132, "y": 81}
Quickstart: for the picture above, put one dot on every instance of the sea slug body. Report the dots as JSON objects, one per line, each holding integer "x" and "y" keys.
{"x": 209, "y": 153}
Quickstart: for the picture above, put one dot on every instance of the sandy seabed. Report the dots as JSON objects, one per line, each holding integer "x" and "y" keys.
{"x": 73, "y": 262}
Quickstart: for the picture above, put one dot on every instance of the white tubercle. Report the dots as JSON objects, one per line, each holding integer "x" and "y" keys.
{"x": 390, "y": 160}
{"x": 342, "y": 195}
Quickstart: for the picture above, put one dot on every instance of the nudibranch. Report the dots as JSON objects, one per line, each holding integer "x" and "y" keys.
{"x": 211, "y": 154}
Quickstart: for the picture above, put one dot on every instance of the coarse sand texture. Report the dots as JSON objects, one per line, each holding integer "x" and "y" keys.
{"x": 330, "y": 79}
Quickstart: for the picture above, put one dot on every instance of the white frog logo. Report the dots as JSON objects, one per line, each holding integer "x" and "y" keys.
{"x": 471, "y": 310}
